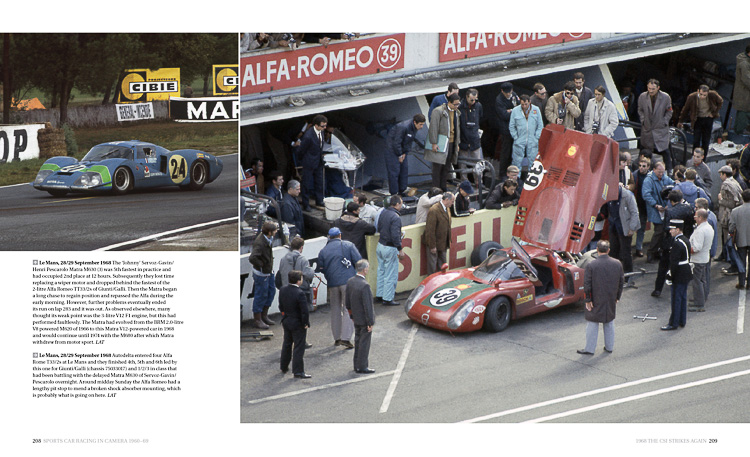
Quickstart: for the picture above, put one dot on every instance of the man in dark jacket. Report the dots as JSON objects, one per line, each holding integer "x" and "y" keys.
{"x": 359, "y": 303}
{"x": 677, "y": 209}
{"x": 389, "y": 250}
{"x": 469, "y": 145}
{"x": 274, "y": 191}
{"x": 400, "y": 141}
{"x": 310, "y": 153}
{"x": 353, "y": 228}
{"x": 603, "y": 281}
{"x": 584, "y": 94}
{"x": 295, "y": 321}
{"x": 291, "y": 211}
{"x": 264, "y": 288}
{"x": 503, "y": 195}
{"x": 504, "y": 104}
{"x": 701, "y": 108}
{"x": 679, "y": 265}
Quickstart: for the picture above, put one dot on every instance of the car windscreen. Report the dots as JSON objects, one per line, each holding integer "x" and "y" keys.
{"x": 498, "y": 266}
{"x": 108, "y": 151}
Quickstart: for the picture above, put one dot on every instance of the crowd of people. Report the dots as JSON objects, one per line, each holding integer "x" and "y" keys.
{"x": 689, "y": 229}
{"x": 258, "y": 41}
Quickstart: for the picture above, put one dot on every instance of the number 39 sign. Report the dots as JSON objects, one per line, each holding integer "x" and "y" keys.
{"x": 269, "y": 71}
{"x": 535, "y": 176}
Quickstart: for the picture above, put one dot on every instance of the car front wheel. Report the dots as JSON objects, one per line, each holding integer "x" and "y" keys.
{"x": 497, "y": 315}
{"x": 198, "y": 175}
{"x": 122, "y": 181}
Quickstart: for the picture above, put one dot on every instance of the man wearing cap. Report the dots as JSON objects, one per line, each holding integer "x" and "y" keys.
{"x": 679, "y": 265}
{"x": 437, "y": 232}
{"x": 525, "y": 127}
{"x": 389, "y": 250}
{"x": 677, "y": 209}
{"x": 461, "y": 207}
{"x": 739, "y": 226}
{"x": 336, "y": 260}
{"x": 603, "y": 281}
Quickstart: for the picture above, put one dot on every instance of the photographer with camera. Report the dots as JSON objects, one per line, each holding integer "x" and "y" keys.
{"x": 336, "y": 261}
{"x": 562, "y": 108}
{"x": 601, "y": 115}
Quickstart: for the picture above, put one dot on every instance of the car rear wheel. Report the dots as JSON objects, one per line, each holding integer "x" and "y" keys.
{"x": 198, "y": 175}
{"x": 497, "y": 315}
{"x": 58, "y": 193}
{"x": 122, "y": 181}
{"x": 484, "y": 250}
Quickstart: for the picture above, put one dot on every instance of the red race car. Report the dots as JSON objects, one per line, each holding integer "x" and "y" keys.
{"x": 573, "y": 176}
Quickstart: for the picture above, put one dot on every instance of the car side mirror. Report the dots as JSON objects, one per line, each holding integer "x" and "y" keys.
{"x": 444, "y": 267}
{"x": 497, "y": 282}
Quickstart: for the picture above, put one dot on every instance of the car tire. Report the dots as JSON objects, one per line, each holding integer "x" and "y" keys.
{"x": 58, "y": 193}
{"x": 198, "y": 175}
{"x": 497, "y": 315}
{"x": 484, "y": 250}
{"x": 122, "y": 181}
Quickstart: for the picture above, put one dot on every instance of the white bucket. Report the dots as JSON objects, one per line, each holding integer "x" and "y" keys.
{"x": 334, "y": 207}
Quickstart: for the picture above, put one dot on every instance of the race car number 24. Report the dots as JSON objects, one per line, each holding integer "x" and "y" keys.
{"x": 445, "y": 297}
{"x": 177, "y": 168}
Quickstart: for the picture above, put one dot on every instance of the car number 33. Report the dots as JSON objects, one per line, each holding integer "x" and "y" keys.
{"x": 445, "y": 297}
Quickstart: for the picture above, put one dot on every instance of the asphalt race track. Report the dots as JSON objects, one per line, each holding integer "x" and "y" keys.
{"x": 34, "y": 220}
{"x": 528, "y": 373}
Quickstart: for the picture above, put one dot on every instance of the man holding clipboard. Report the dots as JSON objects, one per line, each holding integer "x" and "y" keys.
{"x": 444, "y": 134}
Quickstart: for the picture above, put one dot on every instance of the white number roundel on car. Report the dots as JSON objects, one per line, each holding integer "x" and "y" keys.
{"x": 445, "y": 297}
{"x": 535, "y": 176}
{"x": 73, "y": 168}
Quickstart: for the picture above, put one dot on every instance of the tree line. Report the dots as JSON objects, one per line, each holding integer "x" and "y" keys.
{"x": 94, "y": 63}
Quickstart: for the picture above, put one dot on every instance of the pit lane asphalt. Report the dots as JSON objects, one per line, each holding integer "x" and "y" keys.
{"x": 528, "y": 372}
{"x": 34, "y": 220}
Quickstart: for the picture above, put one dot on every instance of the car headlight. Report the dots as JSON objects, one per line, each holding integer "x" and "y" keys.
{"x": 460, "y": 315}
{"x": 413, "y": 298}
{"x": 89, "y": 179}
{"x": 42, "y": 175}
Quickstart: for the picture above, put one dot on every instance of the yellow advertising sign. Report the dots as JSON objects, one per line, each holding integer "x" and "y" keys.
{"x": 226, "y": 80}
{"x": 467, "y": 233}
{"x": 148, "y": 85}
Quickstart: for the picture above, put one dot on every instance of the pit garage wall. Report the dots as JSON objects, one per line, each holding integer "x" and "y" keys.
{"x": 467, "y": 233}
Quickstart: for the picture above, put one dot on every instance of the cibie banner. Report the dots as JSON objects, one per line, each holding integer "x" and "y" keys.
{"x": 146, "y": 85}
{"x": 263, "y": 72}
{"x": 135, "y": 111}
{"x": 207, "y": 109}
{"x": 457, "y": 46}
{"x": 226, "y": 80}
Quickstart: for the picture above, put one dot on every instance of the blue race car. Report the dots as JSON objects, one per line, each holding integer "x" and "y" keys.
{"x": 121, "y": 166}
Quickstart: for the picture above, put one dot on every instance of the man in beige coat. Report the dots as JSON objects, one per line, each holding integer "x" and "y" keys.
{"x": 444, "y": 121}
{"x": 437, "y": 232}
{"x": 563, "y": 108}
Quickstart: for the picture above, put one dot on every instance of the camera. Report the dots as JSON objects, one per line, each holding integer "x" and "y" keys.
{"x": 346, "y": 262}
{"x": 595, "y": 127}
